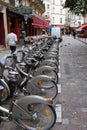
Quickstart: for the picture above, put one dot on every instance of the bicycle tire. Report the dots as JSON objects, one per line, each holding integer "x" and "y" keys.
{"x": 55, "y": 76}
{"x": 4, "y": 91}
{"x": 41, "y": 117}
{"x": 46, "y": 90}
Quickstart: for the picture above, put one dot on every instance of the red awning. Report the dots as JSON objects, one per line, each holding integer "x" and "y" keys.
{"x": 39, "y": 23}
{"x": 83, "y": 26}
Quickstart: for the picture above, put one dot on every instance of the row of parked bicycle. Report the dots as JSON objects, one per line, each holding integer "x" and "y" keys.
{"x": 32, "y": 71}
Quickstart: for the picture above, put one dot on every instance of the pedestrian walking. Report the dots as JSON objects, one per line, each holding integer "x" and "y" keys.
{"x": 12, "y": 40}
{"x": 74, "y": 34}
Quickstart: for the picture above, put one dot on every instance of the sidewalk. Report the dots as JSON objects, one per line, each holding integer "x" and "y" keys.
{"x": 2, "y": 48}
{"x": 84, "y": 40}
{"x": 73, "y": 97}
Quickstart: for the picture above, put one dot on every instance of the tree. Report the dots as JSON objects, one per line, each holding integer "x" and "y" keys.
{"x": 77, "y": 6}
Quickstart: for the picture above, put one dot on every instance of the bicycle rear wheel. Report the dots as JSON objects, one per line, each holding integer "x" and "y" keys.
{"x": 53, "y": 75}
{"x": 41, "y": 117}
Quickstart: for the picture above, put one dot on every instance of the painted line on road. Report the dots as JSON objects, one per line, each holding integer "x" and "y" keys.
{"x": 59, "y": 74}
{"x": 59, "y": 67}
{"x": 59, "y": 88}
{"x": 58, "y": 109}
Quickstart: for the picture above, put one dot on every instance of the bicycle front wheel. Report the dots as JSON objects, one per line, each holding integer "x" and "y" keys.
{"x": 4, "y": 91}
{"x": 41, "y": 117}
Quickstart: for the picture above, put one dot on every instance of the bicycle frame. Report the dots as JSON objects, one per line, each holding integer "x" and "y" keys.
{"x": 20, "y": 106}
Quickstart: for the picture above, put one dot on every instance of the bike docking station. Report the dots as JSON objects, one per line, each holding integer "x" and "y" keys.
{"x": 33, "y": 107}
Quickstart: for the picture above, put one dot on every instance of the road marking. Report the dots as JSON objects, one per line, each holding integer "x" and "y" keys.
{"x": 59, "y": 88}
{"x": 59, "y": 67}
{"x": 58, "y": 109}
{"x": 59, "y": 74}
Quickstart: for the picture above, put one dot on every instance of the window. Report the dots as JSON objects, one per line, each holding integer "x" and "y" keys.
{"x": 12, "y": 2}
{"x": 79, "y": 17}
{"x": 61, "y": 11}
{"x": 48, "y": 6}
{"x": 53, "y": 19}
{"x": 61, "y": 2}
{"x": 53, "y": 1}
{"x": 60, "y": 20}
{"x": 48, "y": 13}
{"x": 53, "y": 9}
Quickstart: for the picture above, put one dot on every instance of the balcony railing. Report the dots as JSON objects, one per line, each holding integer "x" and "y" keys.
{"x": 6, "y": 3}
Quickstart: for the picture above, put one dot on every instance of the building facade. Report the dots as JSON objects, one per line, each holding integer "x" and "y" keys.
{"x": 24, "y": 16}
{"x": 73, "y": 20}
{"x": 60, "y": 17}
{"x": 55, "y": 12}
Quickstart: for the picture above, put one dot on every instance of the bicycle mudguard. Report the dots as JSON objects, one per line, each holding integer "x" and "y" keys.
{"x": 51, "y": 56}
{"x": 44, "y": 69}
{"x": 21, "y": 106}
{"x": 48, "y": 61}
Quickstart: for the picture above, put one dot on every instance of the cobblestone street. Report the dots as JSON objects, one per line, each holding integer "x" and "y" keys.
{"x": 73, "y": 69}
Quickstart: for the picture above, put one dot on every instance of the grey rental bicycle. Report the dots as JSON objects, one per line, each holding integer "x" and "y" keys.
{"x": 31, "y": 113}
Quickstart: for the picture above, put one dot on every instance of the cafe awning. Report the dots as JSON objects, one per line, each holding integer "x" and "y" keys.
{"x": 83, "y": 26}
{"x": 39, "y": 23}
{"x": 49, "y": 27}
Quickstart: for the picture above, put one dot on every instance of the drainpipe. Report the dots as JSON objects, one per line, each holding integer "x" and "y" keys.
{"x": 5, "y": 24}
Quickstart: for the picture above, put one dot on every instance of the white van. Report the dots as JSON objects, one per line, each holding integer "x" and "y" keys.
{"x": 56, "y": 33}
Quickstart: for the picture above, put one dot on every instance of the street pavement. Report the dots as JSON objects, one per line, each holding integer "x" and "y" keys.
{"x": 73, "y": 80}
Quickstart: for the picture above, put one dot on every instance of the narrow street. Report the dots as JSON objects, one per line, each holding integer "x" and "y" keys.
{"x": 73, "y": 80}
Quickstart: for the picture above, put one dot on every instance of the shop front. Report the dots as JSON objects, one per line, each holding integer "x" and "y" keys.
{"x": 22, "y": 25}
{"x": 82, "y": 31}
{"x": 2, "y": 34}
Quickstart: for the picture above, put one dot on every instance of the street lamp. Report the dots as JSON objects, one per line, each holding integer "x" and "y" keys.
{"x": 25, "y": 18}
